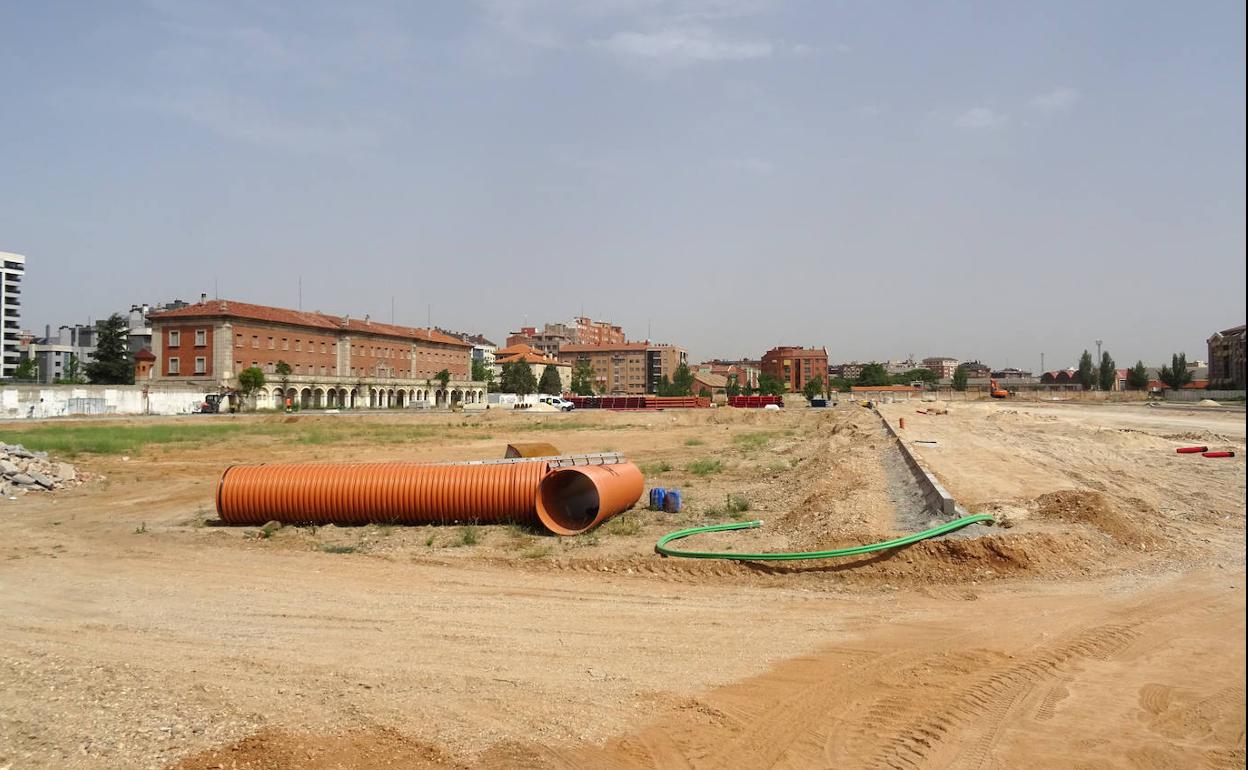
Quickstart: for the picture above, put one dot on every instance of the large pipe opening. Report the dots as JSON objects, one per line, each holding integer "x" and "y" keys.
{"x": 567, "y": 501}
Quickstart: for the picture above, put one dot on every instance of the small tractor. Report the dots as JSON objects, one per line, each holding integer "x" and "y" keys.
{"x": 215, "y": 403}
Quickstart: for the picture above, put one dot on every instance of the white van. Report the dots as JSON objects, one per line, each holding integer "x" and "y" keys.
{"x": 557, "y": 402}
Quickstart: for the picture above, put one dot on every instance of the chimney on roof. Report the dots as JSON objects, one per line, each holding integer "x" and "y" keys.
{"x": 366, "y": 318}
{"x": 346, "y": 320}
{"x": 203, "y": 296}
{"x": 223, "y": 306}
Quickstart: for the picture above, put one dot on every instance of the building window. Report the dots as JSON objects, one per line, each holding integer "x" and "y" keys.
{"x": 238, "y": 340}
{"x": 298, "y": 346}
{"x": 201, "y": 364}
{"x": 173, "y": 364}
{"x": 255, "y": 341}
{"x": 272, "y": 345}
{"x": 323, "y": 348}
{"x": 175, "y": 341}
{"x": 201, "y": 338}
{"x": 285, "y": 343}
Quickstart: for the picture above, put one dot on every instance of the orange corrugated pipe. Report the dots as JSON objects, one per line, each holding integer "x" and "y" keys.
{"x": 577, "y": 499}
{"x": 416, "y": 493}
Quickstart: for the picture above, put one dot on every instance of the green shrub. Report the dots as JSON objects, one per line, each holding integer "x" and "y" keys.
{"x": 705, "y": 467}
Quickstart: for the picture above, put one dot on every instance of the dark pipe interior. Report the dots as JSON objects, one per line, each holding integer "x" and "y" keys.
{"x": 570, "y": 499}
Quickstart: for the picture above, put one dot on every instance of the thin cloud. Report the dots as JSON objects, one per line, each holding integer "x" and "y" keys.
{"x": 981, "y": 119}
{"x": 1057, "y": 100}
{"x": 680, "y": 46}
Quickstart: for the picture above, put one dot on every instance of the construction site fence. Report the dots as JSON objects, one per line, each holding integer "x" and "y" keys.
{"x": 755, "y": 402}
{"x": 640, "y": 402}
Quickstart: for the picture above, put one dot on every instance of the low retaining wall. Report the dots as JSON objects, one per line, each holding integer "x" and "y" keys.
{"x": 1197, "y": 395}
{"x": 935, "y": 495}
{"x": 38, "y": 401}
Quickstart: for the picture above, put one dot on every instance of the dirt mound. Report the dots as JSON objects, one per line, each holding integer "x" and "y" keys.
{"x": 1096, "y": 510}
{"x": 355, "y": 750}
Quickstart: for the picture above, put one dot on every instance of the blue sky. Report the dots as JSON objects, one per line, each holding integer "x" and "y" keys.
{"x": 981, "y": 180}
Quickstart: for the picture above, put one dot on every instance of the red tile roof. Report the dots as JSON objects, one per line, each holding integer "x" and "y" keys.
{"x": 145, "y": 355}
{"x": 530, "y": 358}
{"x": 245, "y": 310}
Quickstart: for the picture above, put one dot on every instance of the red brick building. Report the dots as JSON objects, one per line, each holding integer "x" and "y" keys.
{"x": 334, "y": 360}
{"x": 796, "y": 366}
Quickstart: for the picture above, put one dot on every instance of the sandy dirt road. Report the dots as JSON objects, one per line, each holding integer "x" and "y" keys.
{"x": 1076, "y": 638}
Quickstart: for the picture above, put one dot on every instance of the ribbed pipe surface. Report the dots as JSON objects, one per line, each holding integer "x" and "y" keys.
{"x": 379, "y": 493}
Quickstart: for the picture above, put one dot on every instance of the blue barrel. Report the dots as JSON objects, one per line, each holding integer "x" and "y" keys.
{"x": 658, "y": 496}
{"x": 672, "y": 503}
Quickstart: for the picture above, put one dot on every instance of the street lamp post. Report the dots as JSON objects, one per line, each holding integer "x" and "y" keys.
{"x": 1097, "y": 365}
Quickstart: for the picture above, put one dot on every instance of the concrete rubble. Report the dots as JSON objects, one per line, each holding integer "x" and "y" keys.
{"x": 22, "y": 471}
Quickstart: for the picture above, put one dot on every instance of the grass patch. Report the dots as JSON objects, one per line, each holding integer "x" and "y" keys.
{"x": 536, "y": 552}
{"x": 733, "y": 507}
{"x": 751, "y": 441}
{"x": 332, "y": 548}
{"x": 71, "y": 440}
{"x": 693, "y": 442}
{"x": 623, "y": 525}
{"x": 705, "y": 467}
{"x": 654, "y": 469}
{"x": 469, "y": 535}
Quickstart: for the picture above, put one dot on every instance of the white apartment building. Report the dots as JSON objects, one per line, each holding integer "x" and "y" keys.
{"x": 14, "y": 267}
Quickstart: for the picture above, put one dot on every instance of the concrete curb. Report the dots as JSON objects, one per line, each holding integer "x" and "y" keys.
{"x": 935, "y": 495}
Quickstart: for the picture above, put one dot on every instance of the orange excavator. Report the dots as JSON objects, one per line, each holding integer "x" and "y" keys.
{"x": 996, "y": 391}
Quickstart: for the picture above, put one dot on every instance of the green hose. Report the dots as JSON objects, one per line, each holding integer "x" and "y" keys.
{"x": 661, "y": 546}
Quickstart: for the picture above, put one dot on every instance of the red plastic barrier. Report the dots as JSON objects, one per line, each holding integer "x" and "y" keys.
{"x": 638, "y": 403}
{"x": 1217, "y": 454}
{"x": 1191, "y": 450}
{"x": 755, "y": 402}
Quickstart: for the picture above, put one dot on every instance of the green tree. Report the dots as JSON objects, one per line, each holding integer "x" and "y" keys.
{"x": 873, "y": 374}
{"x": 73, "y": 372}
{"x": 1137, "y": 376}
{"x": 112, "y": 364}
{"x": 27, "y": 370}
{"x": 682, "y": 381}
{"x": 1085, "y": 376}
{"x": 839, "y": 384}
{"x": 551, "y": 383}
{"x": 926, "y": 376}
{"x": 748, "y": 390}
{"x": 1107, "y": 375}
{"x": 444, "y": 378}
{"x": 813, "y": 388}
{"x": 769, "y": 386}
{"x": 664, "y": 387}
{"x": 583, "y": 378}
{"x": 282, "y": 370}
{"x": 704, "y": 392}
{"x": 518, "y": 378}
{"x": 959, "y": 378}
{"x": 1177, "y": 374}
{"x": 250, "y": 380}
{"x": 733, "y": 389}
{"x": 483, "y": 372}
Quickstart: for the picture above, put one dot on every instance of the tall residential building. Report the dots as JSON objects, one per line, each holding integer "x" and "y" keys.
{"x": 796, "y": 366}
{"x": 943, "y": 366}
{"x": 582, "y": 331}
{"x": 11, "y": 310}
{"x": 629, "y": 368}
{"x": 1226, "y": 358}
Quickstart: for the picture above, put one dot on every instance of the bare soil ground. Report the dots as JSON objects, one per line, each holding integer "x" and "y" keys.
{"x": 1103, "y": 627}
